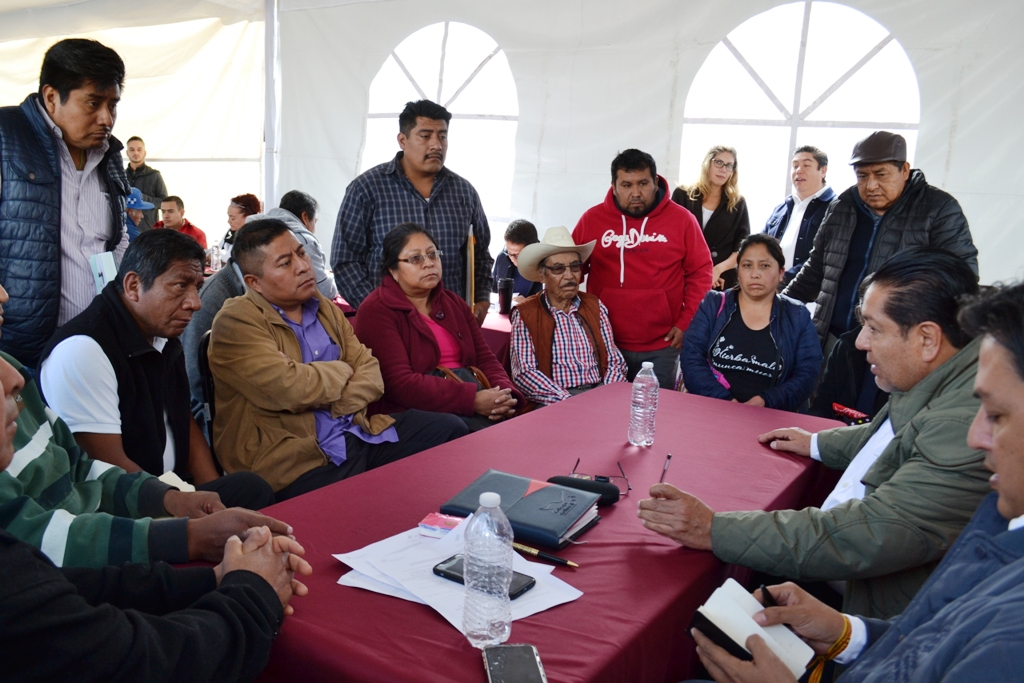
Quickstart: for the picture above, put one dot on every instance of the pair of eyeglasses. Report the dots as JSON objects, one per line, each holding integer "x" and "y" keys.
{"x": 621, "y": 483}
{"x": 419, "y": 259}
{"x": 559, "y": 268}
{"x": 721, "y": 164}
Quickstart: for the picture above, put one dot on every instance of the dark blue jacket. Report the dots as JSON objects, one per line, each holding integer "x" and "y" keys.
{"x": 792, "y": 331}
{"x": 503, "y": 268}
{"x": 30, "y": 226}
{"x": 778, "y": 222}
{"x": 965, "y": 623}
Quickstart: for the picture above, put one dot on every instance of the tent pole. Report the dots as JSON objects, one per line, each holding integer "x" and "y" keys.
{"x": 272, "y": 104}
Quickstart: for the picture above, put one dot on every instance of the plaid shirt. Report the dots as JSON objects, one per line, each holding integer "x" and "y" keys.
{"x": 573, "y": 362}
{"x": 383, "y": 197}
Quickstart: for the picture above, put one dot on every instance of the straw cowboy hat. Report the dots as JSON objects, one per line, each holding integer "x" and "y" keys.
{"x": 556, "y": 241}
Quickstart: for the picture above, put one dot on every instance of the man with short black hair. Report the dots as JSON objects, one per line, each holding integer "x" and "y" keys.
{"x": 518, "y": 235}
{"x": 651, "y": 266}
{"x": 147, "y": 179}
{"x": 293, "y": 382}
{"x": 965, "y": 622}
{"x": 116, "y": 373}
{"x": 890, "y": 209}
{"x": 173, "y": 210}
{"x": 909, "y": 483}
{"x": 299, "y": 211}
{"x": 64, "y": 192}
{"x": 415, "y": 187}
{"x": 803, "y": 209}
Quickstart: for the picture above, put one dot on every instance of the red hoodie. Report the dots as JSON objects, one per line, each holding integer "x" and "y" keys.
{"x": 651, "y": 272}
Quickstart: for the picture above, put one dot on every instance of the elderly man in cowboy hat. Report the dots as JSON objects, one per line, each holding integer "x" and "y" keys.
{"x": 562, "y": 341}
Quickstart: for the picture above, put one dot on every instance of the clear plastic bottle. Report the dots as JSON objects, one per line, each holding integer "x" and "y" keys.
{"x": 643, "y": 406}
{"x": 214, "y": 258}
{"x": 487, "y": 617}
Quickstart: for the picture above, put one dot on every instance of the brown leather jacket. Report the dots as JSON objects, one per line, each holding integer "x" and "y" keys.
{"x": 265, "y": 393}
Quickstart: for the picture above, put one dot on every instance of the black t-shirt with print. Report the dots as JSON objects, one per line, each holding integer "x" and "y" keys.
{"x": 748, "y": 359}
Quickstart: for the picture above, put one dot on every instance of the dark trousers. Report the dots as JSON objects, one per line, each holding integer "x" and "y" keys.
{"x": 241, "y": 490}
{"x": 417, "y": 430}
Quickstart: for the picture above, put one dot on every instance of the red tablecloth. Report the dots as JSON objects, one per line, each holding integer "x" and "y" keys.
{"x": 497, "y": 331}
{"x": 640, "y": 589}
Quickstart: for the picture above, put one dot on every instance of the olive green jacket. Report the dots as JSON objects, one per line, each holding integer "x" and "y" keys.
{"x": 920, "y": 494}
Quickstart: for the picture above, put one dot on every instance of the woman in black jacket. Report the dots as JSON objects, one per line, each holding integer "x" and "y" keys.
{"x": 718, "y": 206}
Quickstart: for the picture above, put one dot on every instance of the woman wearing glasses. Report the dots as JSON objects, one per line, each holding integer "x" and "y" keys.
{"x": 716, "y": 203}
{"x": 431, "y": 352}
{"x": 750, "y": 344}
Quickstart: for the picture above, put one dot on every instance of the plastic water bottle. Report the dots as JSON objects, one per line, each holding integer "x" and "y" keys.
{"x": 487, "y": 617}
{"x": 643, "y": 406}
{"x": 214, "y": 258}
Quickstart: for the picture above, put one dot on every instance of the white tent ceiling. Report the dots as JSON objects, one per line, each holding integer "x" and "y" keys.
{"x": 597, "y": 76}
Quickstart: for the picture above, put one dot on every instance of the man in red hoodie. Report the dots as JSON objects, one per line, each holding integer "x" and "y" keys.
{"x": 651, "y": 267}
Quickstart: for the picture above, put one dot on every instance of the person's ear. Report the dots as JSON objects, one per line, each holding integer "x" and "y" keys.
{"x": 929, "y": 335}
{"x": 253, "y": 282}
{"x": 132, "y": 285}
{"x": 402, "y": 140}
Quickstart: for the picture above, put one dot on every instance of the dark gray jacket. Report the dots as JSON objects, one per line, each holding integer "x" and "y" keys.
{"x": 922, "y": 216}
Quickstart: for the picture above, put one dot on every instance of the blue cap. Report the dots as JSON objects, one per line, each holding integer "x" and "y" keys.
{"x": 135, "y": 201}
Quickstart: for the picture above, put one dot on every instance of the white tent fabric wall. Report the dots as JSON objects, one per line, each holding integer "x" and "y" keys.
{"x": 194, "y": 93}
{"x": 595, "y": 77}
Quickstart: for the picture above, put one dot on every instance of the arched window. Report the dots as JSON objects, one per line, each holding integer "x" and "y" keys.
{"x": 462, "y": 68}
{"x": 805, "y": 73}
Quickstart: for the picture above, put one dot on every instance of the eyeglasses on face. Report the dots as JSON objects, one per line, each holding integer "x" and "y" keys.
{"x": 419, "y": 259}
{"x": 731, "y": 166}
{"x": 559, "y": 268}
{"x": 621, "y": 483}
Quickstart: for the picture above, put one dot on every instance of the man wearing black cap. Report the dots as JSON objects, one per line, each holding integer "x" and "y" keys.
{"x": 891, "y": 209}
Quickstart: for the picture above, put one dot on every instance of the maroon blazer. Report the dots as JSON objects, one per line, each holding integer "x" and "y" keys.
{"x": 390, "y": 325}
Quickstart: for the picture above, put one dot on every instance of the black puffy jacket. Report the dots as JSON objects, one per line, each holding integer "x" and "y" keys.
{"x": 922, "y": 216}
{"x": 30, "y": 195}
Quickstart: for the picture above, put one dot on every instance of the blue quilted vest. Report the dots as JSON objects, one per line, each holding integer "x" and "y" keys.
{"x": 30, "y": 195}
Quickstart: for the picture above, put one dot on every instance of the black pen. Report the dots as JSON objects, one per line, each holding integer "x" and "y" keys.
{"x": 668, "y": 459}
{"x": 540, "y": 554}
{"x": 766, "y": 596}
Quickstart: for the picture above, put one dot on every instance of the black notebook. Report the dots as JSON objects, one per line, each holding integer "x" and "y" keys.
{"x": 541, "y": 513}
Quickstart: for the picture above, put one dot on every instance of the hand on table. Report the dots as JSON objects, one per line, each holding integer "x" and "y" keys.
{"x": 677, "y": 515}
{"x": 675, "y": 338}
{"x": 207, "y": 535}
{"x": 519, "y": 298}
{"x": 275, "y": 558}
{"x": 791, "y": 439}
{"x": 755, "y": 401}
{"x": 192, "y": 504}
{"x": 495, "y": 404}
{"x": 480, "y": 309}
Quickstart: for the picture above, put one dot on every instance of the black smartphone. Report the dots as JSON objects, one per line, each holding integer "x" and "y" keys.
{"x": 452, "y": 569}
{"x": 513, "y": 664}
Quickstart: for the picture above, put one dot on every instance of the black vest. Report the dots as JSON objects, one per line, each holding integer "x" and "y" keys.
{"x": 148, "y": 381}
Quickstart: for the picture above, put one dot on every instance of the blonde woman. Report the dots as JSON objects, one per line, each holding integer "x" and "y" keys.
{"x": 718, "y": 206}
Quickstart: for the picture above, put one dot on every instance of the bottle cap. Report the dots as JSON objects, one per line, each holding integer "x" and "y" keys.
{"x": 647, "y": 365}
{"x": 490, "y": 499}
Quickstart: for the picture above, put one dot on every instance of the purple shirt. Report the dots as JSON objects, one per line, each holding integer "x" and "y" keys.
{"x": 317, "y": 346}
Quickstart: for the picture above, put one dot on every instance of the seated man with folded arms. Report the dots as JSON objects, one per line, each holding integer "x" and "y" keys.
{"x": 116, "y": 372}
{"x": 87, "y": 513}
{"x": 292, "y": 381}
{"x": 965, "y": 623}
{"x": 562, "y": 341}
{"x": 910, "y": 483}
{"x": 135, "y": 622}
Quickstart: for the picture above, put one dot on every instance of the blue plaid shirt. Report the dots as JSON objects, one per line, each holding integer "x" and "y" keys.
{"x": 383, "y": 197}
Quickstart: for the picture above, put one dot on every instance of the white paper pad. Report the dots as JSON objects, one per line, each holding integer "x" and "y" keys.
{"x": 402, "y": 566}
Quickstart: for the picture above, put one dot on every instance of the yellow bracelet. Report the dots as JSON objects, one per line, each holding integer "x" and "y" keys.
{"x": 817, "y": 665}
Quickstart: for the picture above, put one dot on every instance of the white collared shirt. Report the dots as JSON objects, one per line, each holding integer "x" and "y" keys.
{"x": 789, "y": 238}
{"x": 850, "y": 486}
{"x": 1016, "y": 523}
{"x": 85, "y": 224}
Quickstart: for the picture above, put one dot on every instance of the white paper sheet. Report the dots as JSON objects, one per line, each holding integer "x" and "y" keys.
{"x": 402, "y": 566}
